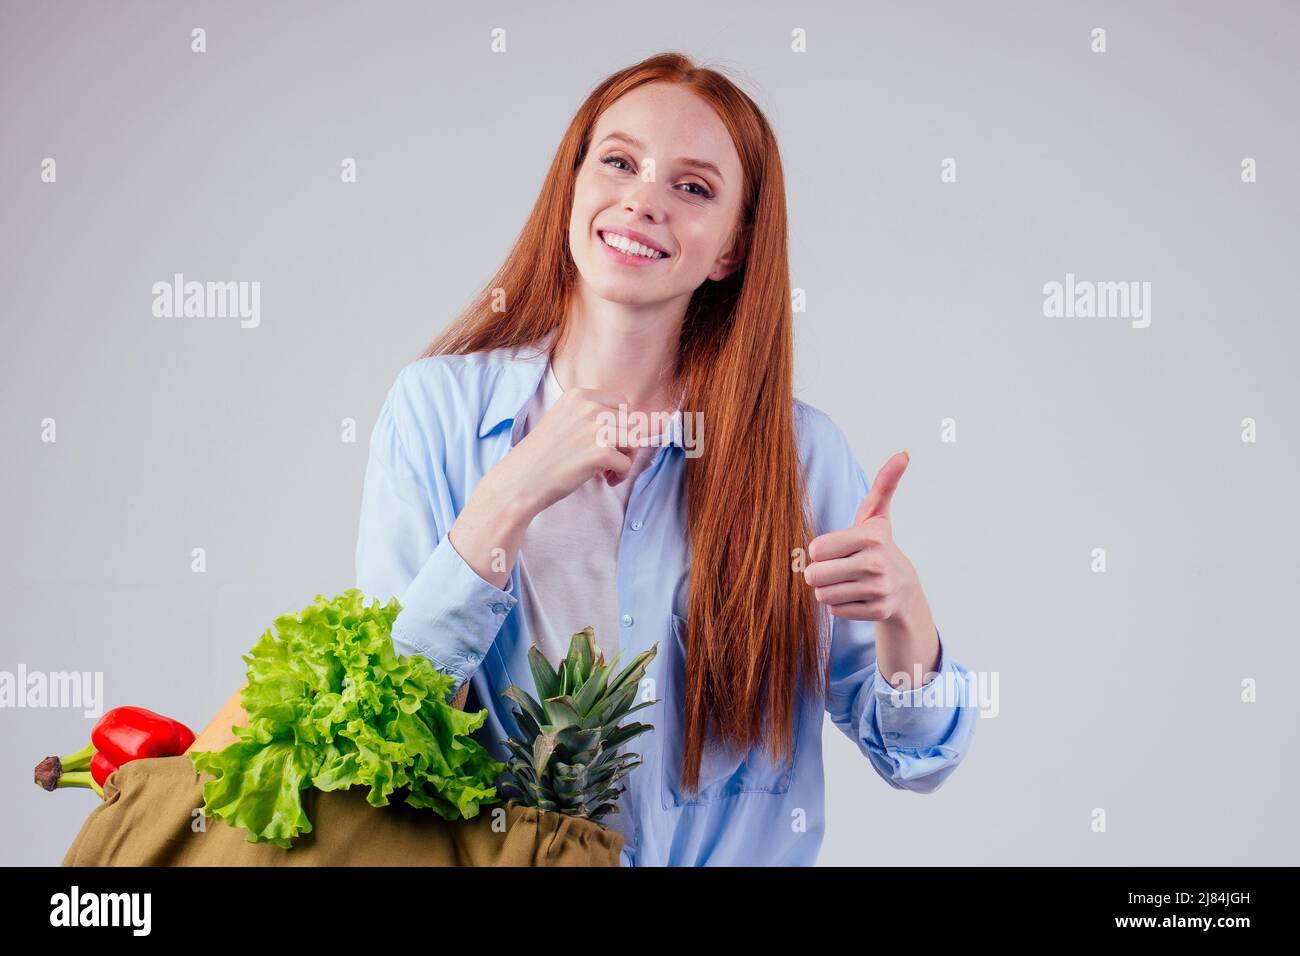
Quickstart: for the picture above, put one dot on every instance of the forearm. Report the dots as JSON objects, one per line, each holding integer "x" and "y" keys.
{"x": 495, "y": 517}
{"x": 907, "y": 645}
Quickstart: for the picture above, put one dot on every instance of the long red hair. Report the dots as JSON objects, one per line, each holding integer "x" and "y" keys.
{"x": 752, "y": 624}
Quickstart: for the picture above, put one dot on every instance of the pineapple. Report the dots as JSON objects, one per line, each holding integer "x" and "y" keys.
{"x": 568, "y": 760}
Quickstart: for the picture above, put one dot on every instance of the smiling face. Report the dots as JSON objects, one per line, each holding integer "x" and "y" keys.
{"x": 661, "y": 170}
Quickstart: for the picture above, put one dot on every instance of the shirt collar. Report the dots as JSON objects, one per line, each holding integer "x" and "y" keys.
{"x": 523, "y": 368}
{"x": 522, "y": 371}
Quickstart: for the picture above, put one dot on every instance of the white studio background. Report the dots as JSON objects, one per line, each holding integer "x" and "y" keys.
{"x": 1035, "y": 439}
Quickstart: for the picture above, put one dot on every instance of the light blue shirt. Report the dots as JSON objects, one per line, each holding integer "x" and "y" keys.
{"x": 445, "y": 422}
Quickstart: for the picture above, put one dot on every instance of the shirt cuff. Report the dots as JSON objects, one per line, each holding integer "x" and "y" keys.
{"x": 922, "y": 716}
{"x": 450, "y": 614}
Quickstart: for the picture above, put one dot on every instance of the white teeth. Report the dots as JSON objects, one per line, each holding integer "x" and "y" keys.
{"x": 626, "y": 245}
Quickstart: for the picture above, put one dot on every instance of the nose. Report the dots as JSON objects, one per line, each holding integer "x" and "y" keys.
{"x": 641, "y": 202}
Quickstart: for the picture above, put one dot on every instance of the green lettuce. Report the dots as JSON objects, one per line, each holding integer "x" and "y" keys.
{"x": 331, "y": 705}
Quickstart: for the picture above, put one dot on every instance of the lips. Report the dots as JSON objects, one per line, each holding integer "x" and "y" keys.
{"x": 629, "y": 260}
{"x": 634, "y": 236}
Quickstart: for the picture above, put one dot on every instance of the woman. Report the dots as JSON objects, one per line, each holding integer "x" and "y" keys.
{"x": 652, "y": 278}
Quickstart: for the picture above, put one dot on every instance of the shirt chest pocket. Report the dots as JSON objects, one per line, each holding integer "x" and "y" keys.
{"x": 723, "y": 773}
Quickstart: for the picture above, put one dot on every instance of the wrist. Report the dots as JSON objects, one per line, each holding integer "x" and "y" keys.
{"x": 910, "y": 617}
{"x": 510, "y": 501}
{"x": 907, "y": 645}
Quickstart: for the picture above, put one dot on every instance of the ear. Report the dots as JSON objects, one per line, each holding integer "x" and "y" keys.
{"x": 732, "y": 259}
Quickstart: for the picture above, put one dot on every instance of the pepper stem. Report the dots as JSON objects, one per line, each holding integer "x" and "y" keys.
{"x": 80, "y": 778}
{"x": 80, "y": 760}
{"x": 52, "y": 771}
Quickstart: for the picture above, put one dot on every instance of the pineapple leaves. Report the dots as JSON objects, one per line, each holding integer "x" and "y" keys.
{"x": 582, "y": 652}
{"x": 530, "y": 706}
{"x": 568, "y": 760}
{"x": 633, "y": 673}
{"x": 561, "y": 712}
{"x": 591, "y": 690}
{"x": 544, "y": 676}
{"x": 543, "y": 747}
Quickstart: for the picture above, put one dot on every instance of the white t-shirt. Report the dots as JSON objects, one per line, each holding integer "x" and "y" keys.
{"x": 568, "y": 560}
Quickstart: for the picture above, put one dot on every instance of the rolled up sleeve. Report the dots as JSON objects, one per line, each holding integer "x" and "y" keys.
{"x": 450, "y": 614}
{"x": 914, "y": 738}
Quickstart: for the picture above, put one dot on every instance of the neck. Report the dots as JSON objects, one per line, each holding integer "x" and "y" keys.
{"x": 629, "y": 350}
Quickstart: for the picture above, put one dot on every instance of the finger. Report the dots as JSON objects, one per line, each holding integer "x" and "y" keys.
{"x": 628, "y": 451}
{"x": 849, "y": 592}
{"x": 861, "y": 611}
{"x": 839, "y": 544}
{"x": 604, "y": 396}
{"x": 616, "y": 465}
{"x": 615, "y": 428}
{"x": 881, "y": 492}
{"x": 627, "y": 435}
{"x": 824, "y": 573}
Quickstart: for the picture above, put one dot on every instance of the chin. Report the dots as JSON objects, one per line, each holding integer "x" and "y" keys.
{"x": 622, "y": 289}
{"x": 619, "y": 293}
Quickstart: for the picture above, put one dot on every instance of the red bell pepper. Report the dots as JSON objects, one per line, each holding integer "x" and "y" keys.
{"x": 121, "y": 735}
{"x": 129, "y": 733}
{"x": 101, "y": 767}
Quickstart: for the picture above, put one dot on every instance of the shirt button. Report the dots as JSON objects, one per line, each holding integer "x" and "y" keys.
{"x": 636, "y": 525}
{"x": 472, "y": 658}
{"x": 497, "y": 606}
{"x": 627, "y": 620}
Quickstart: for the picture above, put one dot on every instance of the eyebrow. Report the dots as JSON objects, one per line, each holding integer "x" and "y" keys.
{"x": 697, "y": 163}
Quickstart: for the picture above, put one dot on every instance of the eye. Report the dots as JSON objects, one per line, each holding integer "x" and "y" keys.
{"x": 610, "y": 158}
{"x": 615, "y": 157}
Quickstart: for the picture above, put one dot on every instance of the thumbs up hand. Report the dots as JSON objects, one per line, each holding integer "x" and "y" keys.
{"x": 859, "y": 573}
